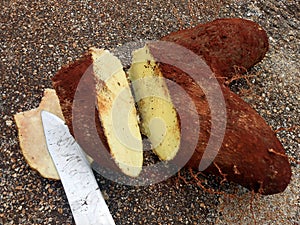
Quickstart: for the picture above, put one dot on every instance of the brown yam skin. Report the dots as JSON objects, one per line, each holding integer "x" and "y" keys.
{"x": 82, "y": 114}
{"x": 250, "y": 154}
{"x": 229, "y": 46}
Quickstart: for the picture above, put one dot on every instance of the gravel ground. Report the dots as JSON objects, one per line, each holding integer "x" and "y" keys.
{"x": 38, "y": 37}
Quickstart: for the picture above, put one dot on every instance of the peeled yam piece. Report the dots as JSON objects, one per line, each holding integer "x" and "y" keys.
{"x": 99, "y": 110}
{"x": 158, "y": 116}
{"x": 31, "y": 135}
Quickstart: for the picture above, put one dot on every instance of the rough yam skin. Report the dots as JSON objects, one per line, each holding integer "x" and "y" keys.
{"x": 82, "y": 114}
{"x": 250, "y": 154}
{"x": 229, "y": 46}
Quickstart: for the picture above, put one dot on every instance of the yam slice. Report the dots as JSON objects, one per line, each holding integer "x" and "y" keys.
{"x": 159, "y": 120}
{"x": 31, "y": 135}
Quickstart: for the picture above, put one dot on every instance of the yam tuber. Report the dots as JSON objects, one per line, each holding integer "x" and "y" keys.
{"x": 250, "y": 154}
{"x": 101, "y": 74}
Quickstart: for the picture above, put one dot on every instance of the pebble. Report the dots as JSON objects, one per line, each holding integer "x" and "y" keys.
{"x": 9, "y": 123}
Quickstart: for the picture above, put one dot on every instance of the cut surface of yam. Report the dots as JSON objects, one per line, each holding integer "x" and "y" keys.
{"x": 31, "y": 135}
{"x": 117, "y": 112}
{"x": 159, "y": 120}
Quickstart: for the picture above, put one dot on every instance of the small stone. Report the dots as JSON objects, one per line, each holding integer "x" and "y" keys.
{"x": 9, "y": 123}
{"x": 202, "y": 205}
{"x": 60, "y": 210}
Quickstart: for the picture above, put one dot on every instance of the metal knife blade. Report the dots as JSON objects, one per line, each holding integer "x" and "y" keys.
{"x": 84, "y": 196}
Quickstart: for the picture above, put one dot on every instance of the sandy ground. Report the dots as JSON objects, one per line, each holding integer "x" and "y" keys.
{"x": 38, "y": 37}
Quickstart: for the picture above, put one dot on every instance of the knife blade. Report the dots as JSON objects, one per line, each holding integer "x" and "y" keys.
{"x": 84, "y": 196}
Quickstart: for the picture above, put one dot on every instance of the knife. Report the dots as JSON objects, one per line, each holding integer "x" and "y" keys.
{"x": 84, "y": 196}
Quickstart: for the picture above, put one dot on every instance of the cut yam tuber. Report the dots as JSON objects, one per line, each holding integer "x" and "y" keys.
{"x": 250, "y": 154}
{"x": 99, "y": 81}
